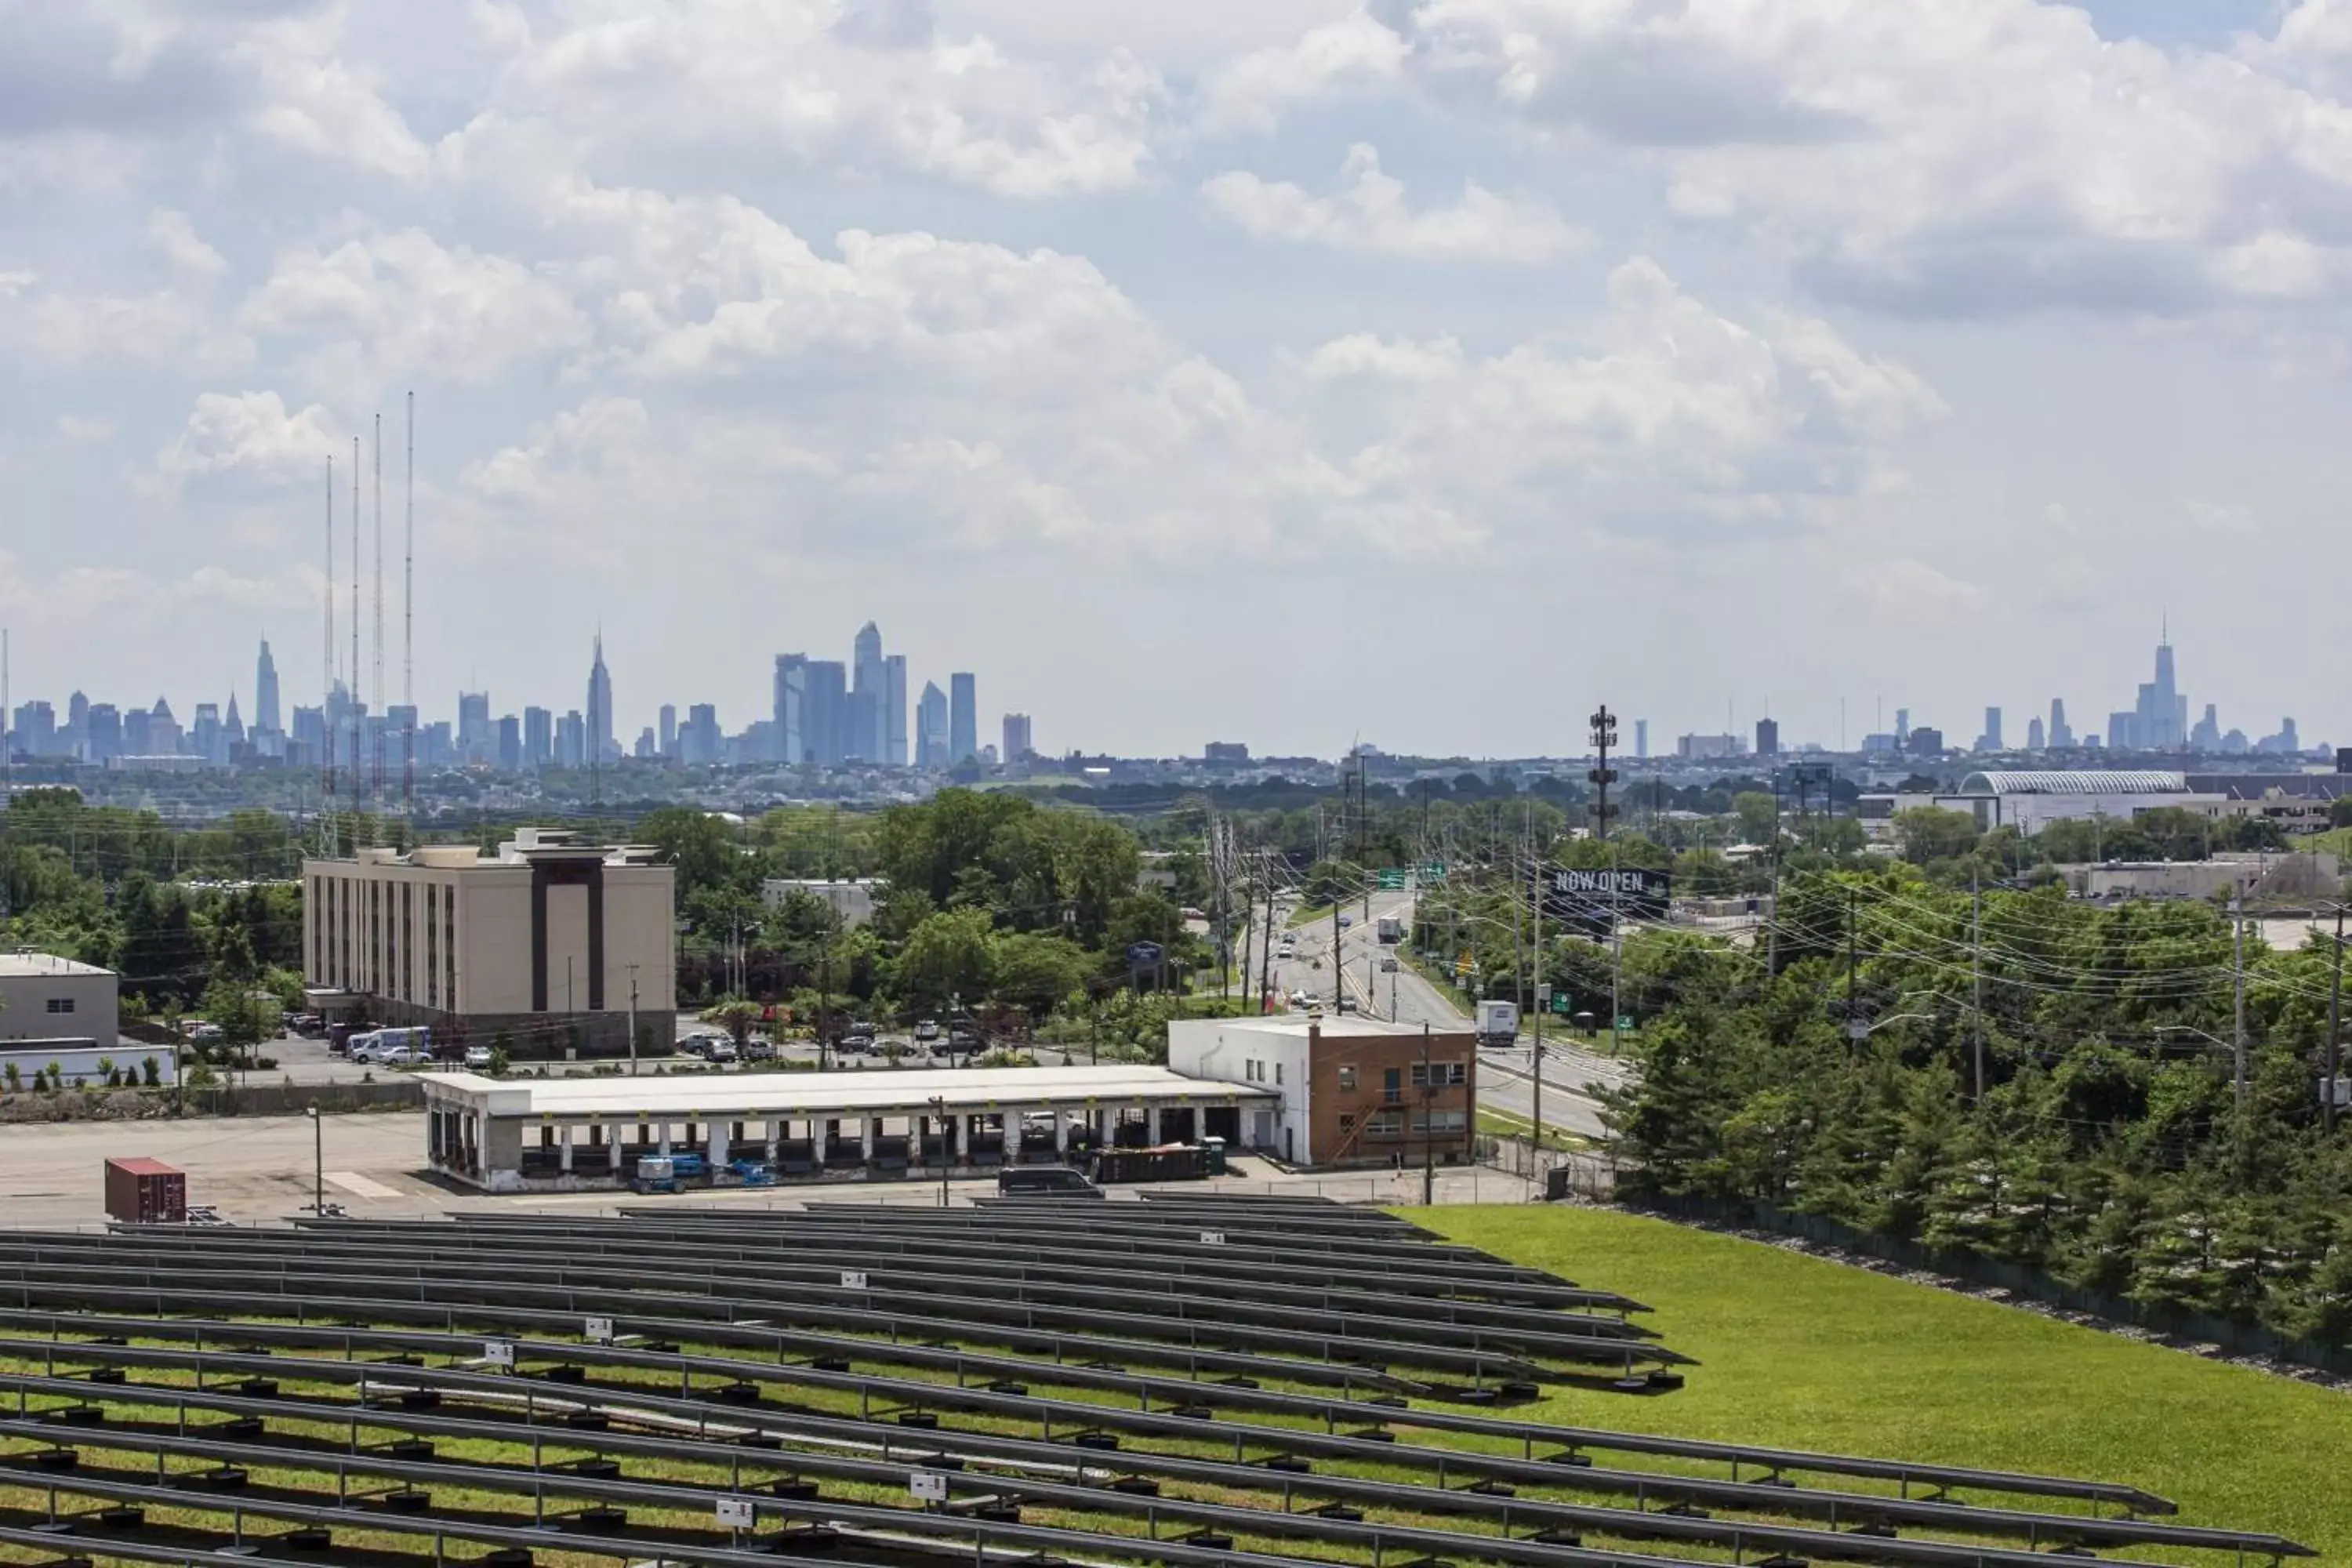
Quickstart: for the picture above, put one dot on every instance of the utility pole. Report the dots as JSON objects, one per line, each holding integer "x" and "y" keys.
{"x": 1428, "y": 1126}
{"x": 1976, "y": 974}
{"x": 1852, "y": 967}
{"x": 2334, "y": 1017}
{"x": 2238, "y": 984}
{"x": 1543, "y": 1000}
{"x": 1266, "y": 936}
{"x": 633, "y": 1020}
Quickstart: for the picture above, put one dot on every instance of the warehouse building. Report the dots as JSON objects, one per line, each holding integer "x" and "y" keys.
{"x": 47, "y": 999}
{"x": 580, "y": 1133}
{"x": 1344, "y": 1091}
{"x": 554, "y": 945}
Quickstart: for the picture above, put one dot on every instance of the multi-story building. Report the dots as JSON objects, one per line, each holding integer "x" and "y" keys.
{"x": 1017, "y": 738}
{"x": 599, "y": 744}
{"x": 827, "y": 720}
{"x": 868, "y": 739}
{"x": 699, "y": 738}
{"x": 1990, "y": 739}
{"x": 894, "y": 710}
{"x": 509, "y": 744}
{"x": 963, "y": 719}
{"x": 571, "y": 741}
{"x": 788, "y": 708}
{"x": 538, "y": 738}
{"x": 932, "y": 727}
{"x": 1767, "y": 737}
{"x": 667, "y": 740}
{"x": 548, "y": 945}
{"x": 1347, "y": 1091}
{"x": 478, "y": 738}
{"x": 264, "y": 691}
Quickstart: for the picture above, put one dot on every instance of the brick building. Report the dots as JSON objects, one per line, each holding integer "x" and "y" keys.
{"x": 1347, "y": 1091}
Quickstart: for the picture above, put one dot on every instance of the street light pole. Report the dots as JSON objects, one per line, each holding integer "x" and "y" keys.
{"x": 633, "y": 1020}
{"x": 1428, "y": 1126}
{"x": 317, "y": 1161}
{"x": 939, "y": 1104}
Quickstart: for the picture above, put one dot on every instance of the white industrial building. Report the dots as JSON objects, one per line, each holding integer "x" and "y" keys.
{"x": 46, "y": 998}
{"x": 569, "y": 1133}
{"x": 552, "y": 944}
{"x": 852, "y": 898}
{"x": 2029, "y": 800}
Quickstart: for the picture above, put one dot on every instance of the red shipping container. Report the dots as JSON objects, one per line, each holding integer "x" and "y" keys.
{"x": 141, "y": 1191}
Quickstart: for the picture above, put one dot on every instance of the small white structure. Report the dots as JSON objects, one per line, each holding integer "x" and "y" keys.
{"x": 852, "y": 898}
{"x": 57, "y": 1000}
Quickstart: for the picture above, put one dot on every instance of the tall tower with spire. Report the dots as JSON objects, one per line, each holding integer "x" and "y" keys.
{"x": 600, "y": 706}
{"x": 264, "y": 691}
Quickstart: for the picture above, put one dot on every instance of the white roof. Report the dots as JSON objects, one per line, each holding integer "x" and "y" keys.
{"x": 1999, "y": 781}
{"x": 876, "y": 1092}
{"x": 43, "y": 965}
{"x": 1329, "y": 1025}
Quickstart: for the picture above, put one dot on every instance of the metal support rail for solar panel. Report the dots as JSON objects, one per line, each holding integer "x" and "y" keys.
{"x": 1077, "y": 1414}
{"x": 113, "y": 1545}
{"x": 1335, "y": 1223}
{"x": 514, "y": 1481}
{"x": 1014, "y": 1280}
{"x": 1227, "y": 1257}
{"x": 420, "y": 1288}
{"x": 1063, "y": 1219}
{"x": 668, "y": 1551}
{"x": 1019, "y": 1457}
{"x": 896, "y": 1274}
{"x": 1466, "y": 1348}
{"x": 1416, "y": 1262}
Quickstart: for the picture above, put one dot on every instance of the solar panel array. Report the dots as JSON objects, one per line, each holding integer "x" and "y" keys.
{"x": 1186, "y": 1382}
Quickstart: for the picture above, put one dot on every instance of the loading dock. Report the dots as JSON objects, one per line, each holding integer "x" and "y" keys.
{"x": 570, "y": 1134}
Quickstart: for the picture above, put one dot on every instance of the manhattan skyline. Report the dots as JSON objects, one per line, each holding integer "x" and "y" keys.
{"x": 1534, "y": 396}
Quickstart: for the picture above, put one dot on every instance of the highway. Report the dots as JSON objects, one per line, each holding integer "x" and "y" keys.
{"x": 1505, "y": 1078}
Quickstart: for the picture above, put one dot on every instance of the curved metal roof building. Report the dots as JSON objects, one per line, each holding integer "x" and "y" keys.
{"x": 2030, "y": 782}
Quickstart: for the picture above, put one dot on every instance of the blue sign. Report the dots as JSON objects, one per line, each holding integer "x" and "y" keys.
{"x": 1143, "y": 955}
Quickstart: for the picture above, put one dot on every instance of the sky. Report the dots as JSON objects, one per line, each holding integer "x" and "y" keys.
{"x": 1289, "y": 371}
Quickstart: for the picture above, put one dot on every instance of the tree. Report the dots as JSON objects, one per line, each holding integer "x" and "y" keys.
{"x": 1930, "y": 832}
{"x": 951, "y": 953}
{"x": 1759, "y": 814}
{"x": 1036, "y": 972}
{"x": 737, "y": 1017}
{"x": 243, "y": 1017}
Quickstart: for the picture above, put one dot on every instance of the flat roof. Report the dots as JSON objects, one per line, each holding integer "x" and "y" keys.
{"x": 40, "y": 966}
{"x": 1329, "y": 1026}
{"x": 874, "y": 1091}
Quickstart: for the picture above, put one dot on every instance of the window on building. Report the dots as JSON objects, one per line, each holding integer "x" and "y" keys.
{"x": 1348, "y": 1077}
{"x": 1384, "y": 1123}
{"x": 1440, "y": 1122}
{"x": 1277, "y": 1072}
{"x": 1347, "y": 1122}
{"x": 1436, "y": 1075}
{"x": 1393, "y": 1085}
{"x": 61, "y": 1004}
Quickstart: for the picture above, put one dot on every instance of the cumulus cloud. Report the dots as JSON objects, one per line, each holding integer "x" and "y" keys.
{"x": 166, "y": 328}
{"x": 1981, "y": 155}
{"x": 175, "y": 239}
{"x": 251, "y": 434}
{"x": 1906, "y": 591}
{"x": 1370, "y": 214}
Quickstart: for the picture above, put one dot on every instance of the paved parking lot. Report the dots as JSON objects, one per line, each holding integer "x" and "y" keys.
{"x": 259, "y": 1169}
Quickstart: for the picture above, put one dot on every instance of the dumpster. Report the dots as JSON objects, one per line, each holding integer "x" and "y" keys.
{"x": 139, "y": 1191}
{"x": 1214, "y": 1152}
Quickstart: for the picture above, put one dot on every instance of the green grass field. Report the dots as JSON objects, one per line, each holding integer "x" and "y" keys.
{"x": 1804, "y": 1353}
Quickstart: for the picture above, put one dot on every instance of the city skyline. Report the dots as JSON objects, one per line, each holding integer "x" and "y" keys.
{"x": 1737, "y": 420}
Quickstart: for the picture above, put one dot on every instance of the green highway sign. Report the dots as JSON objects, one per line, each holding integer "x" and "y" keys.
{"x": 1625, "y": 1026}
{"x": 1559, "y": 1003}
{"x": 1390, "y": 879}
{"x": 1430, "y": 872}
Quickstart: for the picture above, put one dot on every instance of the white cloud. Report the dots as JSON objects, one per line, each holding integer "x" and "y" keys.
{"x": 375, "y": 309}
{"x": 1978, "y": 155}
{"x": 1370, "y": 214}
{"x": 175, "y": 239}
{"x": 250, "y": 434}
{"x": 85, "y": 430}
{"x": 1353, "y": 55}
{"x": 1904, "y": 591}
{"x": 2225, "y": 518}
{"x": 165, "y": 329}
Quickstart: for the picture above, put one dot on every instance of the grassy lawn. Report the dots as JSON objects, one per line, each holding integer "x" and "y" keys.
{"x": 1309, "y": 914}
{"x": 1503, "y": 1124}
{"x": 1808, "y": 1354}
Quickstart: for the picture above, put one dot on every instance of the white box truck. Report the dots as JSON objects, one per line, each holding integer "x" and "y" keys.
{"x": 1499, "y": 1023}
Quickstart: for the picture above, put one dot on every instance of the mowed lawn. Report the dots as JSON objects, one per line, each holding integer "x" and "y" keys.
{"x": 1802, "y": 1353}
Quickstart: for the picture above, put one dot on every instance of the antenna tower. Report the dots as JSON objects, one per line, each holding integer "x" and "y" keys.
{"x": 408, "y": 635}
{"x": 359, "y": 697}
{"x": 376, "y": 791}
{"x": 327, "y": 684}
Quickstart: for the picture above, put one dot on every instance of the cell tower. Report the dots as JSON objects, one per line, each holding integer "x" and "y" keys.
{"x": 408, "y": 633}
{"x": 327, "y": 683}
{"x": 377, "y": 677}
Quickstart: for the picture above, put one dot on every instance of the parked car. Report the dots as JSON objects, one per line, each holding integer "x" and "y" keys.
{"x": 855, "y": 1044}
{"x": 962, "y": 1039}
{"x": 700, "y": 1043}
{"x": 756, "y": 1049}
{"x": 721, "y": 1050}
{"x": 1347, "y": 1002}
{"x": 203, "y": 1032}
{"x": 1044, "y": 1181}
{"x": 308, "y": 1026}
{"x": 478, "y": 1059}
{"x": 1300, "y": 999}
{"x": 928, "y": 1030}
{"x": 401, "y": 1057}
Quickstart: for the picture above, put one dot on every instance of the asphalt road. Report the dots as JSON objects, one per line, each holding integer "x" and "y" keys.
{"x": 1507, "y": 1080}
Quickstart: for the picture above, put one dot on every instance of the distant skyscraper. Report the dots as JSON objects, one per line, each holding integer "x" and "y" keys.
{"x": 698, "y": 742}
{"x": 2158, "y": 722}
{"x": 789, "y": 713}
{"x": 2206, "y": 734}
{"x": 668, "y": 740}
{"x": 509, "y": 744}
{"x": 163, "y": 736}
{"x": 538, "y": 738}
{"x": 477, "y": 740}
{"x": 1641, "y": 737}
{"x": 1767, "y": 738}
{"x": 1990, "y": 739}
{"x": 2034, "y": 738}
{"x": 1016, "y": 737}
{"x": 1901, "y": 726}
{"x": 963, "y": 718}
{"x": 894, "y": 710}
{"x": 827, "y": 717}
{"x": 932, "y": 727}
{"x": 2062, "y": 734}
{"x": 103, "y": 723}
{"x": 599, "y": 742}
{"x": 571, "y": 741}
{"x": 265, "y": 690}
{"x": 869, "y": 731}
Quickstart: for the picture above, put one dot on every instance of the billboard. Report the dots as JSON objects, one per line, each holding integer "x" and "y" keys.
{"x": 1574, "y": 896}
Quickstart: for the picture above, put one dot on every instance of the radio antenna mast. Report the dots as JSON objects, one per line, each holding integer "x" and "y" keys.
{"x": 408, "y": 635}
{"x": 327, "y": 688}
{"x": 375, "y": 781}
{"x": 359, "y": 696}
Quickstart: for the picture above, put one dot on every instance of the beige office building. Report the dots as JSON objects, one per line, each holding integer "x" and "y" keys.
{"x": 546, "y": 943}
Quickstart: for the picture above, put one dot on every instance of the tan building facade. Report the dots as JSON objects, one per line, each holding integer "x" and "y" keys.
{"x": 546, "y": 943}
{"x": 1347, "y": 1091}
